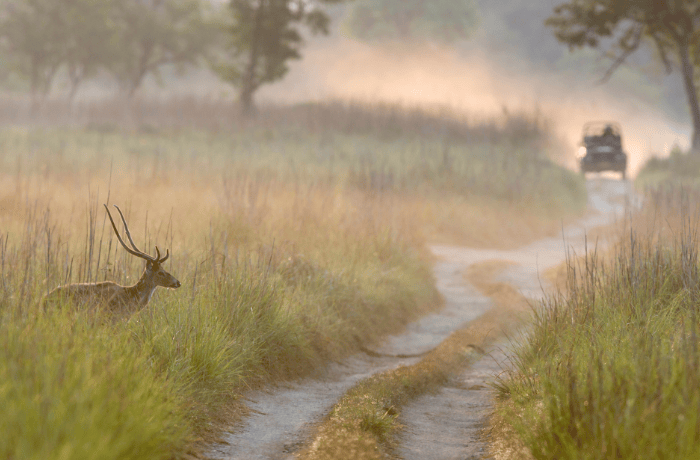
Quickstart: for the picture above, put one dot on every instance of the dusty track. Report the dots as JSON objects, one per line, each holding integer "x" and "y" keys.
{"x": 448, "y": 424}
{"x": 440, "y": 426}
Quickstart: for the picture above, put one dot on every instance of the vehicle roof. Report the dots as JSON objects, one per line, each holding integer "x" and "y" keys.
{"x": 593, "y": 127}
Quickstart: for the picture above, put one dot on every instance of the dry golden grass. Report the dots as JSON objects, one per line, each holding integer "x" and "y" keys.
{"x": 290, "y": 243}
{"x": 272, "y": 271}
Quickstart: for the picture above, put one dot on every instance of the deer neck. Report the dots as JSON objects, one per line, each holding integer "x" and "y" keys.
{"x": 144, "y": 288}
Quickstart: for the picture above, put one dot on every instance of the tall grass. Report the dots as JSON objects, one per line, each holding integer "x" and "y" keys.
{"x": 610, "y": 369}
{"x": 448, "y": 166}
{"x": 294, "y": 245}
{"x": 78, "y": 385}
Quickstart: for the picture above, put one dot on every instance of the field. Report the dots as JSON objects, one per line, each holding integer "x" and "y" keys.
{"x": 297, "y": 238}
{"x": 610, "y": 367}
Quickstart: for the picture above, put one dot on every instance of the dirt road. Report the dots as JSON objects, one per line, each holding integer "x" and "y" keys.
{"x": 440, "y": 426}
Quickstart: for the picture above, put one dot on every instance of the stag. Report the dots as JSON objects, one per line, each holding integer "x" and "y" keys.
{"x": 112, "y": 296}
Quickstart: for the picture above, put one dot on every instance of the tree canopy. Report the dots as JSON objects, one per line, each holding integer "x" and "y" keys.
{"x": 152, "y": 33}
{"x": 129, "y": 38}
{"x": 29, "y": 30}
{"x": 672, "y": 27}
{"x": 87, "y": 39}
{"x": 440, "y": 20}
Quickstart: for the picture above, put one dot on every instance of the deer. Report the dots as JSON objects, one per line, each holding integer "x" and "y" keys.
{"x": 115, "y": 297}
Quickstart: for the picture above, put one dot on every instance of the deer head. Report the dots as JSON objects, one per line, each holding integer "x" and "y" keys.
{"x": 154, "y": 272}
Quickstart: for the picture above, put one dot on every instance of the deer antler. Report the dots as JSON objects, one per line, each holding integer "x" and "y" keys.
{"x": 167, "y": 254}
{"x": 135, "y": 251}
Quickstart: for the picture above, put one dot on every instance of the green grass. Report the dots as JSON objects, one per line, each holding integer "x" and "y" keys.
{"x": 76, "y": 385}
{"x": 74, "y": 391}
{"x": 611, "y": 369}
{"x": 293, "y": 244}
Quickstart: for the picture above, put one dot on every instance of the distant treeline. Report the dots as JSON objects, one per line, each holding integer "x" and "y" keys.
{"x": 247, "y": 43}
{"x": 129, "y": 39}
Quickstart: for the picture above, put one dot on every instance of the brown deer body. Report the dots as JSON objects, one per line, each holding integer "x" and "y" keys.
{"x": 112, "y": 296}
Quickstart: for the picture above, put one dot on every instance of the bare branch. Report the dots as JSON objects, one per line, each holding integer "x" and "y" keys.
{"x": 627, "y": 50}
{"x": 663, "y": 53}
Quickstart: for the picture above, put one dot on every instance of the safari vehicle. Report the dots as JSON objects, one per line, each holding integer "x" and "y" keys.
{"x": 601, "y": 148}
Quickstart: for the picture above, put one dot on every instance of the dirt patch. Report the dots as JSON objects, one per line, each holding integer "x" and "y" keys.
{"x": 450, "y": 422}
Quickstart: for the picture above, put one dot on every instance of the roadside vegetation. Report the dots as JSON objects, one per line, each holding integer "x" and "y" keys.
{"x": 609, "y": 368}
{"x": 297, "y": 238}
{"x": 679, "y": 167}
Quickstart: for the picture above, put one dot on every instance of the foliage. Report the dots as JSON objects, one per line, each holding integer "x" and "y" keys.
{"x": 285, "y": 263}
{"x": 30, "y": 32}
{"x": 613, "y": 364}
{"x": 88, "y": 41}
{"x": 441, "y": 20}
{"x": 673, "y": 27}
{"x": 153, "y": 33}
{"x": 679, "y": 167}
{"x": 263, "y": 37}
{"x": 263, "y": 298}
{"x": 131, "y": 38}
{"x": 425, "y": 154}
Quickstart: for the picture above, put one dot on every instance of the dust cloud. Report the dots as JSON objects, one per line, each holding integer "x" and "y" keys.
{"x": 471, "y": 81}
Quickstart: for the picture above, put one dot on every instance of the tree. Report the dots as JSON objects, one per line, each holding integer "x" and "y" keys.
{"x": 153, "y": 33}
{"x": 441, "y": 20}
{"x": 262, "y": 37}
{"x": 623, "y": 26}
{"x": 87, "y": 39}
{"x": 29, "y": 32}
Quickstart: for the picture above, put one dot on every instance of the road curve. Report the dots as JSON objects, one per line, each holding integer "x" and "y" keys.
{"x": 283, "y": 417}
{"x": 447, "y": 425}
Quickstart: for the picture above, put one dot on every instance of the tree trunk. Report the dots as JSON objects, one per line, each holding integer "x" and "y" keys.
{"x": 34, "y": 91}
{"x": 75, "y": 76}
{"x": 687, "y": 71}
{"x": 249, "y": 82}
{"x": 245, "y": 98}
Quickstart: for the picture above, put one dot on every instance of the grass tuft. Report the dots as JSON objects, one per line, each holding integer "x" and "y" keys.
{"x": 610, "y": 369}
